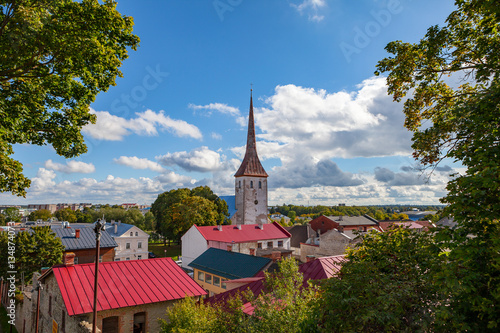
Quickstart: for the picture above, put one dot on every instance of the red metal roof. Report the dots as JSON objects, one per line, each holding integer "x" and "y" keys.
{"x": 247, "y": 233}
{"x": 251, "y": 164}
{"x": 123, "y": 284}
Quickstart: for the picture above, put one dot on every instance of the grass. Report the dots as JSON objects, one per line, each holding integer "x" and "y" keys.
{"x": 173, "y": 251}
{"x": 4, "y": 321}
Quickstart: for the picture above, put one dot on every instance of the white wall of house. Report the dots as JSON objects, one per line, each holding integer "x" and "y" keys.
{"x": 137, "y": 247}
{"x": 192, "y": 245}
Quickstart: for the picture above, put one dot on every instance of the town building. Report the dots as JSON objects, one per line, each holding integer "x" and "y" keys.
{"x": 251, "y": 182}
{"x": 263, "y": 240}
{"x": 132, "y": 242}
{"x": 81, "y": 241}
{"x": 214, "y": 267}
{"x": 132, "y": 296}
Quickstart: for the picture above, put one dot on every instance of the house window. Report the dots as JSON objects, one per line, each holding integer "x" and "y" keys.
{"x": 127, "y": 246}
{"x": 127, "y": 258}
{"x": 75, "y": 261}
{"x": 216, "y": 281}
{"x": 251, "y": 184}
{"x": 280, "y": 243}
{"x": 139, "y": 257}
{"x": 100, "y": 258}
{"x": 260, "y": 184}
{"x": 136, "y": 234}
{"x": 117, "y": 259}
{"x": 259, "y": 245}
{"x": 139, "y": 322}
{"x": 269, "y": 244}
{"x": 208, "y": 278}
{"x": 223, "y": 284}
{"x": 201, "y": 276}
{"x": 139, "y": 245}
{"x": 50, "y": 306}
{"x": 131, "y": 234}
{"x": 110, "y": 324}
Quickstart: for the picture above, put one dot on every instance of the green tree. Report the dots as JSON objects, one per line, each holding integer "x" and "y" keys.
{"x": 66, "y": 214}
{"x": 40, "y": 214}
{"x": 292, "y": 215}
{"x": 12, "y": 214}
{"x": 2, "y": 220}
{"x": 149, "y": 221}
{"x": 34, "y": 249}
{"x": 386, "y": 286}
{"x": 55, "y": 57}
{"x": 174, "y": 216}
{"x": 462, "y": 123}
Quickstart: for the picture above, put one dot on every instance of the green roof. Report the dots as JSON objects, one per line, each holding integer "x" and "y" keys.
{"x": 230, "y": 265}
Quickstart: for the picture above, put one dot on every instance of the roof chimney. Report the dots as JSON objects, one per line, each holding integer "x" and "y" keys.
{"x": 310, "y": 258}
{"x": 261, "y": 226}
{"x": 238, "y": 226}
{"x": 275, "y": 255}
{"x": 77, "y": 233}
{"x": 219, "y": 227}
{"x": 69, "y": 258}
{"x": 116, "y": 228}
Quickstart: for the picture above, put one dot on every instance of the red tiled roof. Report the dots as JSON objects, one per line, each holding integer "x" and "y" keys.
{"x": 251, "y": 164}
{"x": 318, "y": 269}
{"x": 123, "y": 284}
{"x": 248, "y": 232}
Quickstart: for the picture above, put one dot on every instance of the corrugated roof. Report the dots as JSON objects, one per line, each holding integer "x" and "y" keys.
{"x": 121, "y": 228}
{"x": 251, "y": 164}
{"x": 352, "y": 220}
{"x": 86, "y": 240}
{"x": 247, "y": 233}
{"x": 122, "y": 284}
{"x": 230, "y": 265}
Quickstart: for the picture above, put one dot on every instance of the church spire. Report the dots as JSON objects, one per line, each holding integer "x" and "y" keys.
{"x": 251, "y": 164}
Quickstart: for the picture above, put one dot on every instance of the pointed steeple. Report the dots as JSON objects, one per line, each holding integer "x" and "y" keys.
{"x": 251, "y": 164}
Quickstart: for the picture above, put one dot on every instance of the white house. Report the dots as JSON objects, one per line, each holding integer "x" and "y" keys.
{"x": 132, "y": 241}
{"x": 263, "y": 240}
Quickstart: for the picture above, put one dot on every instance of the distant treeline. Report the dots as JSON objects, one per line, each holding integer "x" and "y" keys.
{"x": 378, "y": 212}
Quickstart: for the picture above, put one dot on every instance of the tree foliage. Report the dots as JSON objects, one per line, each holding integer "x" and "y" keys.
{"x": 55, "y": 57}
{"x": 462, "y": 123}
{"x": 40, "y": 214}
{"x": 386, "y": 286}
{"x": 34, "y": 249}
{"x": 177, "y": 210}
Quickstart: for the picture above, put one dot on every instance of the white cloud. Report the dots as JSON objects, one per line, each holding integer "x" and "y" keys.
{"x": 70, "y": 167}
{"x": 312, "y": 8}
{"x": 222, "y": 108}
{"x": 199, "y": 160}
{"x": 216, "y": 136}
{"x": 139, "y": 163}
{"x": 114, "y": 128}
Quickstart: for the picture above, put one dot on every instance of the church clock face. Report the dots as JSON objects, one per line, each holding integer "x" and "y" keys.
{"x": 256, "y": 202}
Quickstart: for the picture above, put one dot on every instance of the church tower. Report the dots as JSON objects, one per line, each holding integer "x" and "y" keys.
{"x": 251, "y": 182}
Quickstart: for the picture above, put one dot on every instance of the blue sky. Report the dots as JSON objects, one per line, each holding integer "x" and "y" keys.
{"x": 327, "y": 132}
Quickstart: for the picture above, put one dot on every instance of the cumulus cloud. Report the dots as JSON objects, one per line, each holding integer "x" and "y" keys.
{"x": 312, "y": 8}
{"x": 199, "y": 160}
{"x": 411, "y": 176}
{"x": 70, "y": 167}
{"x": 361, "y": 123}
{"x": 219, "y": 107}
{"x": 113, "y": 128}
{"x": 139, "y": 163}
{"x": 312, "y": 173}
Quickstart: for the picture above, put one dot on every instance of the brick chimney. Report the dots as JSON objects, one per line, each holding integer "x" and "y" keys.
{"x": 69, "y": 258}
{"x": 116, "y": 228}
{"x": 275, "y": 255}
{"x": 77, "y": 233}
{"x": 310, "y": 258}
{"x": 219, "y": 227}
{"x": 252, "y": 252}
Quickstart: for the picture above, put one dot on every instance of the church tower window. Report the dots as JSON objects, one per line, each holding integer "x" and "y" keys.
{"x": 260, "y": 184}
{"x": 251, "y": 184}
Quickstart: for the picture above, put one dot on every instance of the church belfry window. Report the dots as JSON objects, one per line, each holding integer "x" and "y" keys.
{"x": 260, "y": 184}
{"x": 239, "y": 183}
{"x": 251, "y": 184}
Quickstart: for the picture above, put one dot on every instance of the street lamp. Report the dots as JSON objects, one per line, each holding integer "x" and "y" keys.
{"x": 99, "y": 226}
